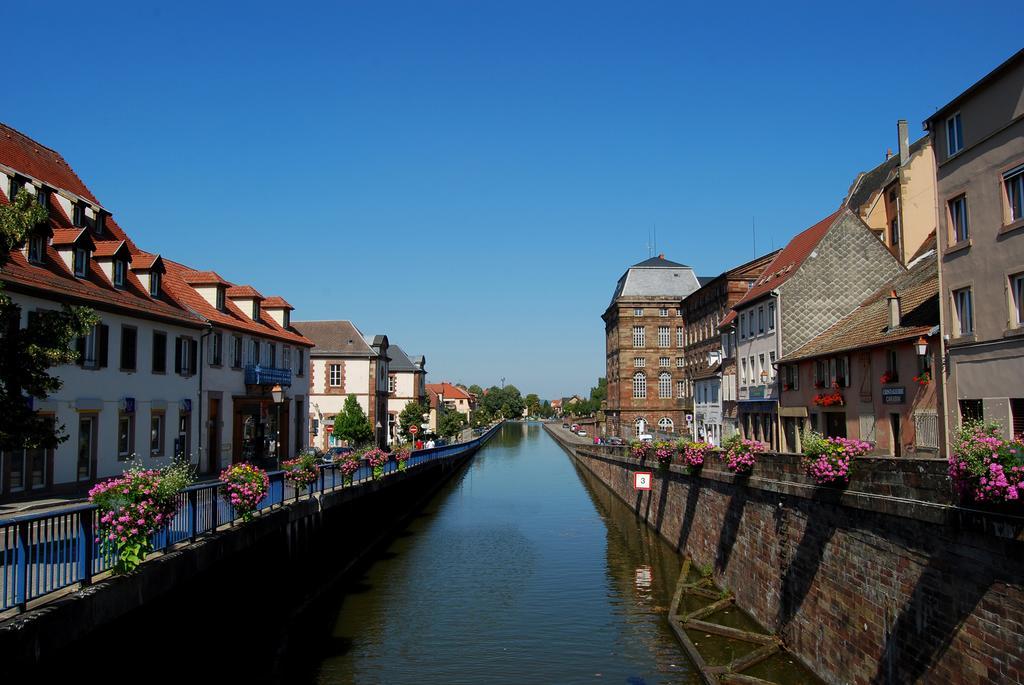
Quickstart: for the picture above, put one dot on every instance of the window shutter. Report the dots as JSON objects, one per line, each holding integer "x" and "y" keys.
{"x": 104, "y": 339}
{"x": 193, "y": 355}
{"x": 177, "y": 355}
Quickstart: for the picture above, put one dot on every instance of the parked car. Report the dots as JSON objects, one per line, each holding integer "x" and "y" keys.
{"x": 575, "y": 427}
{"x": 645, "y": 437}
{"x": 615, "y": 440}
{"x": 565, "y": 425}
{"x": 337, "y": 453}
{"x": 582, "y": 433}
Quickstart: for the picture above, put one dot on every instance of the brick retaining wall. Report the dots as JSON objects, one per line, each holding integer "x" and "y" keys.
{"x": 881, "y": 582}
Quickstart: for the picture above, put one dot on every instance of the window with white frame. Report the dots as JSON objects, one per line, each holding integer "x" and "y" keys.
{"x": 286, "y": 357}
{"x": 664, "y": 336}
{"x": 36, "y": 247}
{"x": 639, "y": 362}
{"x": 638, "y": 336}
{"x": 335, "y": 372}
{"x": 125, "y": 436}
{"x": 1017, "y": 298}
{"x": 665, "y": 385}
{"x": 639, "y": 386}
{"x": 664, "y": 362}
{"x": 680, "y": 336}
{"x": 762, "y": 375}
{"x": 743, "y": 371}
{"x": 1013, "y": 182}
{"x": 958, "y": 219}
{"x": 220, "y": 298}
{"x": 392, "y": 384}
{"x": 154, "y": 284}
{"x": 964, "y": 306}
{"x": 680, "y": 389}
{"x": 81, "y": 262}
{"x": 638, "y": 311}
{"x": 120, "y": 266}
{"x": 665, "y": 425}
{"x": 771, "y": 365}
{"x": 663, "y": 311}
{"x": 954, "y": 135}
{"x": 680, "y": 362}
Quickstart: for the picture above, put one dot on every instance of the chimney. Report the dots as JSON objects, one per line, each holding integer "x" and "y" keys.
{"x": 894, "y": 310}
{"x": 661, "y": 256}
{"x": 904, "y": 135}
{"x": 888, "y": 153}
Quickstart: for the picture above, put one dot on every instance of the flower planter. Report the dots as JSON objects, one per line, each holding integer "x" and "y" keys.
{"x": 245, "y": 486}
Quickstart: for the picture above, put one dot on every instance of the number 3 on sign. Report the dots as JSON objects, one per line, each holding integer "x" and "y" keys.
{"x": 642, "y": 480}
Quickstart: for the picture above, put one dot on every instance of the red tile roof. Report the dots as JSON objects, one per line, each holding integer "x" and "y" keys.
{"x": 243, "y": 291}
{"x": 110, "y": 248}
{"x": 788, "y": 260}
{"x": 177, "y": 280}
{"x": 71, "y": 236}
{"x": 144, "y": 261}
{"x": 203, "y": 278}
{"x": 28, "y": 157}
{"x": 729, "y": 318}
{"x": 449, "y": 391}
{"x": 275, "y": 302}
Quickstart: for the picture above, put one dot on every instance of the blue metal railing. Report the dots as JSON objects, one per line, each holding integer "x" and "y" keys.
{"x": 46, "y": 552}
{"x": 267, "y": 375}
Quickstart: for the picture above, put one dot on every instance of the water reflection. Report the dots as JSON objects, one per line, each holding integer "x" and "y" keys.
{"x": 521, "y": 570}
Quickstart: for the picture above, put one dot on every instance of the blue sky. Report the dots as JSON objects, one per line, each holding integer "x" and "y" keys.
{"x": 471, "y": 178}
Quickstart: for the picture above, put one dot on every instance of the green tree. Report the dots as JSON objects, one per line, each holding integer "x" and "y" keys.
{"x": 412, "y": 415}
{"x": 533, "y": 404}
{"x": 476, "y": 390}
{"x": 352, "y": 425}
{"x": 451, "y": 424}
{"x": 600, "y": 392}
{"x": 26, "y": 354}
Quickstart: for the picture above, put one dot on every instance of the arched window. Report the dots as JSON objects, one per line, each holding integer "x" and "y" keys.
{"x": 665, "y": 385}
{"x": 665, "y": 425}
{"x": 641, "y": 426}
{"x": 639, "y": 386}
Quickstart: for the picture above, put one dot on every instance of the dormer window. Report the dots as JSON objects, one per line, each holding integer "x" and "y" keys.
{"x": 100, "y": 223}
{"x": 81, "y": 263}
{"x": 78, "y": 215}
{"x": 255, "y": 310}
{"x": 120, "y": 267}
{"x": 43, "y": 196}
{"x": 287, "y": 318}
{"x": 220, "y": 299}
{"x": 15, "y": 185}
{"x": 154, "y": 283}
{"x": 36, "y": 244}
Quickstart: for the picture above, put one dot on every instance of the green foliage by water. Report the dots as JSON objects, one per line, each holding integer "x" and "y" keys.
{"x": 351, "y": 424}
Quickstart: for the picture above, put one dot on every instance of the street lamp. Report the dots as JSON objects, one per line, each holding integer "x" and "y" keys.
{"x": 277, "y": 394}
{"x": 922, "y": 346}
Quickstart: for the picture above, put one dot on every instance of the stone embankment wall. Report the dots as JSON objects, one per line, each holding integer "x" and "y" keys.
{"x": 885, "y": 581}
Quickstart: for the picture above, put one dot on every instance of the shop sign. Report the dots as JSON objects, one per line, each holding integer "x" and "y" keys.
{"x": 894, "y": 395}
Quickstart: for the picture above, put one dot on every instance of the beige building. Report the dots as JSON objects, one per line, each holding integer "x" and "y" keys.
{"x": 896, "y": 199}
{"x": 451, "y": 398}
{"x": 345, "y": 362}
{"x": 979, "y": 147}
{"x": 407, "y": 382}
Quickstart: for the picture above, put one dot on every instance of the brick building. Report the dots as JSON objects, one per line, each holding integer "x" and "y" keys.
{"x": 644, "y": 342}
{"x": 709, "y": 363}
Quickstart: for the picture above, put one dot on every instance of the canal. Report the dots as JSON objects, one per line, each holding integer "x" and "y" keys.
{"x": 522, "y": 569}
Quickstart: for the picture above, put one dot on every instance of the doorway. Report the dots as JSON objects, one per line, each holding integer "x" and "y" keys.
{"x": 897, "y": 442}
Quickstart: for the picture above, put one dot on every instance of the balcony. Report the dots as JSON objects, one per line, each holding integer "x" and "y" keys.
{"x": 267, "y": 375}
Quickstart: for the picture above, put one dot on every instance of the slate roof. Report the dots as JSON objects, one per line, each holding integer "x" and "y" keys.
{"x": 336, "y": 338}
{"x": 399, "y": 360}
{"x": 656, "y": 277}
{"x": 789, "y": 259}
{"x": 874, "y": 181}
{"x": 868, "y": 324}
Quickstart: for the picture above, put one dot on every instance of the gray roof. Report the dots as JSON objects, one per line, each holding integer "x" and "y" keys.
{"x": 704, "y": 280}
{"x": 339, "y": 338}
{"x": 400, "y": 361}
{"x": 875, "y": 180}
{"x": 656, "y": 277}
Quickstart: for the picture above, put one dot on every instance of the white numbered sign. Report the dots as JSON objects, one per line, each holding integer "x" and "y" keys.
{"x": 642, "y": 480}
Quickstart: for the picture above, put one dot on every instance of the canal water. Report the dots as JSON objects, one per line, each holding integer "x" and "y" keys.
{"x": 522, "y": 569}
